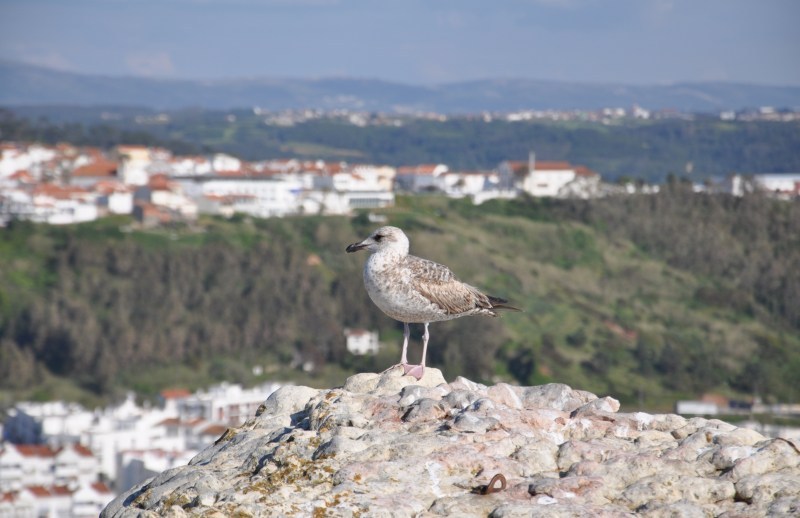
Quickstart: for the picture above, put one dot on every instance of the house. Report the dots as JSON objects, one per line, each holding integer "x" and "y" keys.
{"x": 329, "y": 202}
{"x": 190, "y": 165}
{"x": 73, "y": 464}
{"x": 25, "y": 464}
{"x": 114, "y": 197}
{"x": 49, "y": 500}
{"x": 138, "y": 163}
{"x": 35, "y": 501}
{"x": 89, "y": 500}
{"x": 225, "y": 403}
{"x": 259, "y": 195}
{"x": 161, "y": 201}
{"x": 55, "y": 423}
{"x": 419, "y": 178}
{"x": 138, "y": 465}
{"x": 100, "y": 169}
{"x": 35, "y": 464}
{"x": 782, "y": 185}
{"x": 17, "y": 157}
{"x": 382, "y": 177}
{"x": 62, "y": 205}
{"x": 548, "y": 178}
{"x": 222, "y": 162}
{"x": 169, "y": 399}
{"x": 361, "y": 341}
{"x": 227, "y": 205}
{"x": 458, "y": 184}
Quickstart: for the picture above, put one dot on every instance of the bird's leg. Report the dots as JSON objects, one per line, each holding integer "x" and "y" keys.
{"x": 404, "y": 356}
{"x": 406, "y": 334}
{"x": 418, "y": 370}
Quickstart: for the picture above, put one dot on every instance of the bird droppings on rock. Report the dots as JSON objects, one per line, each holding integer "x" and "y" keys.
{"x": 390, "y": 445}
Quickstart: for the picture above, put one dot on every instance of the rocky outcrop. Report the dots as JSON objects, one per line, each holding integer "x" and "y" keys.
{"x": 389, "y": 445}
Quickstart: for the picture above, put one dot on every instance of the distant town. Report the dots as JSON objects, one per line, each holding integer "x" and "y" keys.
{"x": 65, "y": 184}
{"x": 60, "y": 459}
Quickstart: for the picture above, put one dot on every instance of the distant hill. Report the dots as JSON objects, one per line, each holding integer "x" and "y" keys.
{"x": 22, "y": 84}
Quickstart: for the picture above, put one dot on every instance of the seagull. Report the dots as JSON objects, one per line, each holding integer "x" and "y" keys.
{"x": 417, "y": 291}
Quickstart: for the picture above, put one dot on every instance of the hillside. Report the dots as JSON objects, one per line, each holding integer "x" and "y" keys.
{"x": 647, "y": 298}
{"x": 22, "y": 84}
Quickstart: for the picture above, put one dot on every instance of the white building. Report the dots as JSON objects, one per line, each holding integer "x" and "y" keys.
{"x": 552, "y": 179}
{"x": 24, "y": 465}
{"x": 225, "y": 403}
{"x": 258, "y": 195}
{"x": 114, "y": 198}
{"x": 221, "y": 162}
{"x": 457, "y": 184}
{"x": 89, "y": 500}
{"x": 362, "y": 341}
{"x": 785, "y": 185}
{"x": 23, "y": 157}
{"x": 56, "y": 422}
{"x": 48, "y": 203}
{"x": 782, "y": 185}
{"x": 162, "y": 192}
{"x": 138, "y": 163}
{"x": 85, "y": 501}
{"x": 419, "y": 178}
{"x": 136, "y": 466}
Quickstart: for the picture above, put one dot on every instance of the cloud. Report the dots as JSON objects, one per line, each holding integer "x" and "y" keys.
{"x": 150, "y": 64}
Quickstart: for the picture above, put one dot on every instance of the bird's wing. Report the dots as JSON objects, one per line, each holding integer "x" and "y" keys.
{"x": 439, "y": 285}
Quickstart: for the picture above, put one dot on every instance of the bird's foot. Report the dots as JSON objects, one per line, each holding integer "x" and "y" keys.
{"x": 414, "y": 370}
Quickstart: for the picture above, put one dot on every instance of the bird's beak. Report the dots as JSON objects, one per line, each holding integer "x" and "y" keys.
{"x": 355, "y": 247}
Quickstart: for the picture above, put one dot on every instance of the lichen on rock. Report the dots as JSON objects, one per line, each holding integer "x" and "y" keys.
{"x": 390, "y": 445}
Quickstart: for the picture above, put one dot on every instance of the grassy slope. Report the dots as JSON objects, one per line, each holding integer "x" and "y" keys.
{"x": 598, "y": 314}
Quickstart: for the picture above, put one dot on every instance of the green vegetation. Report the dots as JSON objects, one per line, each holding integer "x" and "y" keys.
{"x": 648, "y": 150}
{"x": 647, "y": 298}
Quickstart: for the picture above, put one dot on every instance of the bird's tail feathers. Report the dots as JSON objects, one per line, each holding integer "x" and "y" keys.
{"x": 498, "y": 303}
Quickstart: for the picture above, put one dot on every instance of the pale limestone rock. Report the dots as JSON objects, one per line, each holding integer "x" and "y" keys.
{"x": 389, "y": 445}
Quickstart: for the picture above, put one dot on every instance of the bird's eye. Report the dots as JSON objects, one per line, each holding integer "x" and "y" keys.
{"x": 378, "y": 238}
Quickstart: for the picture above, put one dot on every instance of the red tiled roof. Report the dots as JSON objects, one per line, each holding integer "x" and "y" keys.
{"x": 582, "y": 170}
{"x": 552, "y": 166}
{"x": 100, "y": 167}
{"x": 61, "y": 192}
{"x": 39, "y": 491}
{"x": 110, "y": 186}
{"x": 60, "y": 490}
{"x": 22, "y": 175}
{"x": 175, "y": 393}
{"x": 159, "y": 182}
{"x": 426, "y": 169}
{"x": 34, "y": 450}
{"x": 83, "y": 451}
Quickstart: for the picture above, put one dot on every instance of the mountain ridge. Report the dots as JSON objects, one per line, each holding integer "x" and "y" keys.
{"x": 24, "y": 84}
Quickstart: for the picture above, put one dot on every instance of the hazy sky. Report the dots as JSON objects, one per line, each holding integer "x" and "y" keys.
{"x": 412, "y": 41}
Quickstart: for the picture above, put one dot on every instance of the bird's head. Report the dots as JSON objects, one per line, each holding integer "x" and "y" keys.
{"x": 385, "y": 238}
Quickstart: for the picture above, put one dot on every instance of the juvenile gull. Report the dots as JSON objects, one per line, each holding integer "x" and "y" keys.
{"x": 414, "y": 290}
